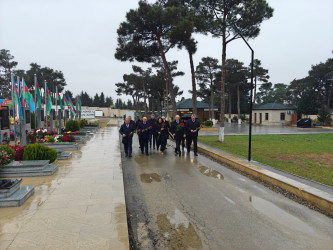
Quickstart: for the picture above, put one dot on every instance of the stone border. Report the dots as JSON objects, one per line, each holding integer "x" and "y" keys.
{"x": 315, "y": 196}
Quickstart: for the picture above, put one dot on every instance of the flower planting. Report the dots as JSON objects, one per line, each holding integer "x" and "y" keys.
{"x": 18, "y": 152}
{"x": 7, "y": 155}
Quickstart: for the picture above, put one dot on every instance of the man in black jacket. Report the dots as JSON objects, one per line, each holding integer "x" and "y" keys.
{"x": 136, "y": 127}
{"x": 144, "y": 132}
{"x": 177, "y": 130}
{"x": 192, "y": 127}
{"x": 132, "y": 122}
{"x": 153, "y": 133}
{"x": 126, "y": 131}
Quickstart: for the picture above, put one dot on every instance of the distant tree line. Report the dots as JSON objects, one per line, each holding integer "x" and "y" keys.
{"x": 310, "y": 95}
{"x": 96, "y": 101}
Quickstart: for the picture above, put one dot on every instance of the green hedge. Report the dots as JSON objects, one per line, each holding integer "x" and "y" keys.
{"x": 39, "y": 152}
{"x": 82, "y": 123}
{"x": 72, "y": 125}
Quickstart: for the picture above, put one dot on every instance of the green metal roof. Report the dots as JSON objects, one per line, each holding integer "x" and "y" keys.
{"x": 188, "y": 104}
{"x": 273, "y": 106}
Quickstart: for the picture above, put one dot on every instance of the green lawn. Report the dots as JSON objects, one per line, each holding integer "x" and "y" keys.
{"x": 310, "y": 156}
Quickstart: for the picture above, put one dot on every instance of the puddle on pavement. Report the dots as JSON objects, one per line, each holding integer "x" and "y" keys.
{"x": 178, "y": 232}
{"x": 149, "y": 178}
{"x": 210, "y": 172}
{"x": 281, "y": 216}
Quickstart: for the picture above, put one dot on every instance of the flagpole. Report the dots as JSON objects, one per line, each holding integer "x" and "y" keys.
{"x": 36, "y": 110}
{"x": 45, "y": 108}
{"x": 13, "y": 101}
{"x": 56, "y": 102}
{"x": 18, "y": 114}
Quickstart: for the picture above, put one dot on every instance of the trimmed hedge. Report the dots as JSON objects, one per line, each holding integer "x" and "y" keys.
{"x": 39, "y": 152}
{"x": 72, "y": 125}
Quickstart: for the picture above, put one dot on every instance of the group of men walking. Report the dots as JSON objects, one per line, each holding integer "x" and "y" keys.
{"x": 155, "y": 133}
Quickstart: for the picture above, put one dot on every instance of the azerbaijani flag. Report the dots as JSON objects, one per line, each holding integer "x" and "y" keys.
{"x": 69, "y": 105}
{"x": 28, "y": 98}
{"x": 49, "y": 100}
{"x": 72, "y": 105}
{"x": 38, "y": 96}
{"x": 59, "y": 99}
{"x": 78, "y": 103}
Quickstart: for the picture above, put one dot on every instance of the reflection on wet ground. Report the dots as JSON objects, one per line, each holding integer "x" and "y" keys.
{"x": 81, "y": 206}
{"x": 149, "y": 178}
{"x": 279, "y": 215}
{"x": 178, "y": 232}
{"x": 211, "y": 172}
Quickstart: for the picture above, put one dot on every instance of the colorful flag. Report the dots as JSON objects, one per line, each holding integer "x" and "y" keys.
{"x": 78, "y": 103}
{"x": 38, "y": 96}
{"x": 72, "y": 105}
{"x": 49, "y": 100}
{"x": 28, "y": 98}
{"x": 21, "y": 91}
{"x": 69, "y": 105}
{"x": 59, "y": 99}
{"x": 16, "y": 97}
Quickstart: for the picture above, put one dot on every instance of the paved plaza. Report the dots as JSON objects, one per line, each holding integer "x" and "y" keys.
{"x": 82, "y": 206}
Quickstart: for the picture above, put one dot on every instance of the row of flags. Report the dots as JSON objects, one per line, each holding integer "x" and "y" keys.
{"x": 24, "y": 98}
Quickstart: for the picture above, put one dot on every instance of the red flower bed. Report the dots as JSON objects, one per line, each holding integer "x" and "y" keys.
{"x": 68, "y": 138}
{"x": 18, "y": 152}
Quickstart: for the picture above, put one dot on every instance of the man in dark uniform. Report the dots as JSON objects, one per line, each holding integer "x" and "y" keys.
{"x": 192, "y": 127}
{"x": 132, "y": 122}
{"x": 177, "y": 130}
{"x": 144, "y": 132}
{"x": 136, "y": 127}
{"x": 153, "y": 133}
{"x": 126, "y": 131}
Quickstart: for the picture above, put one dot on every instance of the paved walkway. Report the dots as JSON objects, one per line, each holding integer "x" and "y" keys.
{"x": 192, "y": 202}
{"x": 243, "y": 129}
{"x": 82, "y": 206}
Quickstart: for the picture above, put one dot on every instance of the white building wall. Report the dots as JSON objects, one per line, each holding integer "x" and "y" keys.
{"x": 273, "y": 117}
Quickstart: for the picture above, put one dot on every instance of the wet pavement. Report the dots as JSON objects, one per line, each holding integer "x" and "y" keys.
{"x": 192, "y": 202}
{"x": 243, "y": 129}
{"x": 82, "y": 206}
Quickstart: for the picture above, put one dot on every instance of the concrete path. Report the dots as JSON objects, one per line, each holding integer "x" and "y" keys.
{"x": 243, "y": 129}
{"x": 194, "y": 203}
{"x": 82, "y": 206}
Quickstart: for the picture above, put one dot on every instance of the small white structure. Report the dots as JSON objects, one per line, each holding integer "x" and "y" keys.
{"x": 274, "y": 114}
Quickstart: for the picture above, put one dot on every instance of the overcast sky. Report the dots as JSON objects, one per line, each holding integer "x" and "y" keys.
{"x": 78, "y": 37}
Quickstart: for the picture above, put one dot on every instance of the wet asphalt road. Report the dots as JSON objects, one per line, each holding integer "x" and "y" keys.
{"x": 195, "y": 203}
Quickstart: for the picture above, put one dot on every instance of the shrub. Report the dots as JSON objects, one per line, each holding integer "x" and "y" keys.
{"x": 7, "y": 154}
{"x": 68, "y": 138}
{"x": 324, "y": 116}
{"x": 209, "y": 123}
{"x": 39, "y": 152}
{"x": 82, "y": 123}
{"x": 33, "y": 120}
{"x": 72, "y": 125}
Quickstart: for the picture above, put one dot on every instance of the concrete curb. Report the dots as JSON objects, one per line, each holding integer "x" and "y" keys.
{"x": 317, "y": 197}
